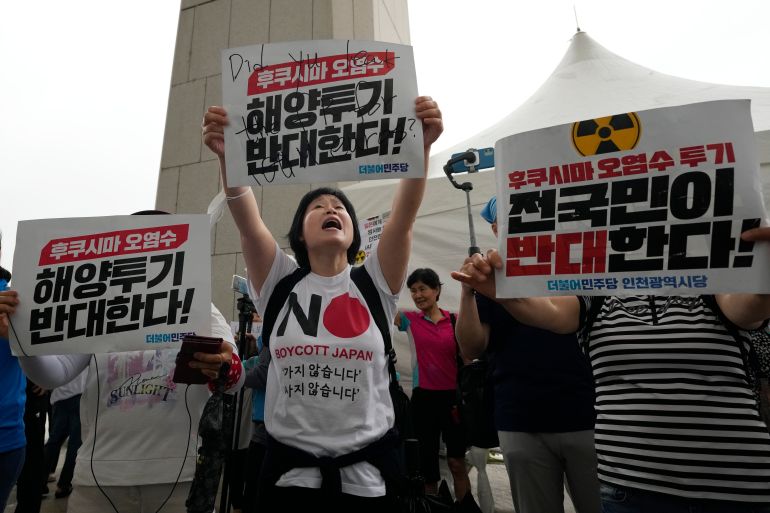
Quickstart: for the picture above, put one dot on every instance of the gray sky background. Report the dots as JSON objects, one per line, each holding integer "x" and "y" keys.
{"x": 85, "y": 83}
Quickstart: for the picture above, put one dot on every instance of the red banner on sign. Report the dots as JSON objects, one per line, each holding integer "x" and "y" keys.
{"x": 124, "y": 242}
{"x": 319, "y": 70}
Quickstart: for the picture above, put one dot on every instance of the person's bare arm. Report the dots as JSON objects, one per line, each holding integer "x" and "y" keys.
{"x": 9, "y": 299}
{"x": 559, "y": 314}
{"x": 257, "y": 242}
{"x": 472, "y": 335}
{"x": 397, "y": 320}
{"x": 396, "y": 241}
{"x": 747, "y": 311}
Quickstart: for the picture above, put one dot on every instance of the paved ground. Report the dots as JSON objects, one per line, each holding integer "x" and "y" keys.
{"x": 498, "y": 481}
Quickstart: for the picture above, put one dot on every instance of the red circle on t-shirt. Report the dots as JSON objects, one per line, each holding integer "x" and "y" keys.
{"x": 346, "y": 317}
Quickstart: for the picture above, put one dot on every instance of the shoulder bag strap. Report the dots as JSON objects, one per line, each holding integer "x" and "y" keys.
{"x": 364, "y": 282}
{"x": 277, "y": 299}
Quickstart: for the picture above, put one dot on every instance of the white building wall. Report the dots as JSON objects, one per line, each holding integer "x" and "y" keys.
{"x": 763, "y": 152}
{"x": 189, "y": 178}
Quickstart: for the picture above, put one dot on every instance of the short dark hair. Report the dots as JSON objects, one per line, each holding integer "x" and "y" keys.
{"x": 299, "y": 247}
{"x": 427, "y": 276}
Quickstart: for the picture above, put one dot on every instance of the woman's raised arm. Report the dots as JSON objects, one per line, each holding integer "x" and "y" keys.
{"x": 559, "y": 314}
{"x": 257, "y": 242}
{"x": 396, "y": 240}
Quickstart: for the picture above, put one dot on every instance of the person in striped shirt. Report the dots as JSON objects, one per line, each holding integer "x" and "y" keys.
{"x": 677, "y": 428}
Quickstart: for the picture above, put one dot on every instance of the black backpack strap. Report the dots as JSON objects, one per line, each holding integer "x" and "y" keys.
{"x": 277, "y": 299}
{"x": 364, "y": 282}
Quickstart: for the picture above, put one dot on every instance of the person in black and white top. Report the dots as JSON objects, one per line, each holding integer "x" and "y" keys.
{"x": 327, "y": 386}
{"x": 677, "y": 426}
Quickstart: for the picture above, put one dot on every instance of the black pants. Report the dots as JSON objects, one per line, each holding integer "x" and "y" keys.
{"x": 254, "y": 460}
{"x": 236, "y": 463}
{"x": 29, "y": 487}
{"x": 295, "y": 499}
{"x": 436, "y": 415}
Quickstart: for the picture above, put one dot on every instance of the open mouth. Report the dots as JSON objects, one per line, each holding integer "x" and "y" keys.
{"x": 332, "y": 223}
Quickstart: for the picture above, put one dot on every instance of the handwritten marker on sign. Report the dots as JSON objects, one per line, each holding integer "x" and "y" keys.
{"x": 320, "y": 111}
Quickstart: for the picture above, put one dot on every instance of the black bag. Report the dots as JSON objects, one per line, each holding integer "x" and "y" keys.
{"x": 414, "y": 499}
{"x": 477, "y": 403}
{"x": 214, "y": 431}
{"x": 402, "y": 409}
{"x": 475, "y": 398}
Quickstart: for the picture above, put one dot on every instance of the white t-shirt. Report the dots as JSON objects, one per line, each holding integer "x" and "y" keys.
{"x": 139, "y": 435}
{"x": 327, "y": 388}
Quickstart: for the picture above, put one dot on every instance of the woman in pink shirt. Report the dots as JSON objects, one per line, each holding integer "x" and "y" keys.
{"x": 434, "y": 381}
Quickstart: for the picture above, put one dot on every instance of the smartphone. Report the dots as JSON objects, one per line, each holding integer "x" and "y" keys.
{"x": 484, "y": 158}
{"x": 240, "y": 285}
{"x": 192, "y": 344}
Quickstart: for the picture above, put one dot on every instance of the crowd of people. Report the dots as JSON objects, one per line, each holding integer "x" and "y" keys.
{"x": 633, "y": 403}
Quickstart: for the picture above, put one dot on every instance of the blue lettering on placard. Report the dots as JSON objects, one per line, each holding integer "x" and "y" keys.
{"x": 368, "y": 169}
{"x": 163, "y": 338}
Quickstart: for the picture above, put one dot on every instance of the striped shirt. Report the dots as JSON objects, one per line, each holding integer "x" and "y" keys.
{"x": 675, "y": 413}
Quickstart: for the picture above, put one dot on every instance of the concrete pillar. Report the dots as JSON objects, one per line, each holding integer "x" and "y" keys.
{"x": 188, "y": 177}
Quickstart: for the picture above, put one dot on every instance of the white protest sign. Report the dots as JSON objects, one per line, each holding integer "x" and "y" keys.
{"x": 108, "y": 284}
{"x": 320, "y": 111}
{"x": 371, "y": 231}
{"x": 648, "y": 202}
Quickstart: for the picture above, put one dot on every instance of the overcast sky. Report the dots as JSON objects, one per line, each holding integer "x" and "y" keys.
{"x": 85, "y": 84}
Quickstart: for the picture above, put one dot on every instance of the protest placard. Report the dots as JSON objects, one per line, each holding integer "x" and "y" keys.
{"x": 648, "y": 202}
{"x": 371, "y": 231}
{"x": 320, "y": 111}
{"x": 108, "y": 284}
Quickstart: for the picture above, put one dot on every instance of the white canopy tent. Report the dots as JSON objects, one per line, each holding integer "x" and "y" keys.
{"x": 589, "y": 82}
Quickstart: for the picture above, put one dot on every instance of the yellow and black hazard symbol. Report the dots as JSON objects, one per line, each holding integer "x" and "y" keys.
{"x": 605, "y": 135}
{"x": 360, "y": 257}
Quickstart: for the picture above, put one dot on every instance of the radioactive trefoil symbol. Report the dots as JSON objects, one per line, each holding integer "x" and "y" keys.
{"x": 606, "y": 135}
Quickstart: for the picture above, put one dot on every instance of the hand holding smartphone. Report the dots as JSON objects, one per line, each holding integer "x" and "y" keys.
{"x": 192, "y": 344}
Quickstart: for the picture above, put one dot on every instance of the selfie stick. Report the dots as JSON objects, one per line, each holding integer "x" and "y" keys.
{"x": 469, "y": 157}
